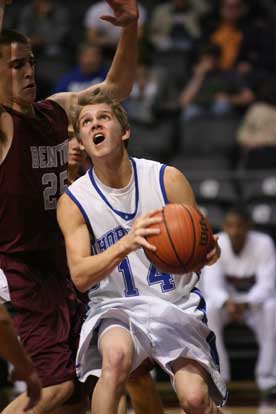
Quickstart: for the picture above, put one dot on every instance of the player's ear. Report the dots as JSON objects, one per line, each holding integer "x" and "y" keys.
{"x": 126, "y": 134}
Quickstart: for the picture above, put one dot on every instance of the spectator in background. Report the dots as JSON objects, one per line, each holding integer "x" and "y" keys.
{"x": 150, "y": 95}
{"x": 46, "y": 23}
{"x": 257, "y": 132}
{"x": 245, "y": 40}
{"x": 243, "y": 289}
{"x": 175, "y": 24}
{"x": 213, "y": 90}
{"x": 89, "y": 70}
{"x": 101, "y": 32}
{"x": 226, "y": 31}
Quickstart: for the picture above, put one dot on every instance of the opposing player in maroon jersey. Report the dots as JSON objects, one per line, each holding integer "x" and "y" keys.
{"x": 33, "y": 173}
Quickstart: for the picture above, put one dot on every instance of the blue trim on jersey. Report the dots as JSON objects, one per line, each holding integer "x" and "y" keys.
{"x": 122, "y": 214}
{"x": 73, "y": 198}
{"x": 162, "y": 185}
{"x": 201, "y": 305}
{"x": 211, "y": 340}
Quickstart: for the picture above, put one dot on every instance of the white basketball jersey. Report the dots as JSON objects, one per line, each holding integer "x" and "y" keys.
{"x": 246, "y": 277}
{"x": 109, "y": 214}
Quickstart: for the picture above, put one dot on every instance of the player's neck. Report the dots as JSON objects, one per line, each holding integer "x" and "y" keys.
{"x": 23, "y": 107}
{"x": 114, "y": 174}
{"x": 26, "y": 109}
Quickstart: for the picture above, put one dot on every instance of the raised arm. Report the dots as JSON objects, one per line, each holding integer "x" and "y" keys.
{"x": 120, "y": 77}
{"x": 86, "y": 270}
{"x": 2, "y": 11}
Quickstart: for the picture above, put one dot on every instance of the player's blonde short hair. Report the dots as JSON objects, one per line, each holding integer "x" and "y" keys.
{"x": 97, "y": 97}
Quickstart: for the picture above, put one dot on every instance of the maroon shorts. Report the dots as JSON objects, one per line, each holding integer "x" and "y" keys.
{"x": 48, "y": 317}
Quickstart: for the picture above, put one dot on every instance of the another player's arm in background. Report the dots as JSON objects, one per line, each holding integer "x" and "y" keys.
{"x": 12, "y": 351}
{"x": 119, "y": 80}
{"x": 6, "y": 132}
{"x": 179, "y": 190}
{"x": 2, "y": 11}
{"x": 87, "y": 270}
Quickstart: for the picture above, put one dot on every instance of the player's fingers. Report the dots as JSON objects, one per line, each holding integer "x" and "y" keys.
{"x": 34, "y": 397}
{"x": 110, "y": 19}
{"x": 153, "y": 212}
{"x": 214, "y": 254}
{"x": 145, "y": 222}
{"x": 120, "y": 21}
{"x": 212, "y": 258}
{"x": 152, "y": 220}
{"x": 144, "y": 243}
{"x": 147, "y": 232}
{"x": 33, "y": 392}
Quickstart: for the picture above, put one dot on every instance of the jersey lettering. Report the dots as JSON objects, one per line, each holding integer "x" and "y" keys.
{"x": 125, "y": 269}
{"x": 153, "y": 277}
{"x": 165, "y": 279}
{"x": 45, "y": 156}
{"x": 54, "y": 188}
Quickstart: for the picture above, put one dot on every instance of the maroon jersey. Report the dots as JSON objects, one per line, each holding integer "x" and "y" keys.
{"x": 32, "y": 176}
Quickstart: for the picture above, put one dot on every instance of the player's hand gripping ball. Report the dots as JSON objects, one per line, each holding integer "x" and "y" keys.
{"x": 184, "y": 241}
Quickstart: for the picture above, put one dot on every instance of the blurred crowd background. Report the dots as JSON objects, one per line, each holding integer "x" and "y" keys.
{"x": 204, "y": 97}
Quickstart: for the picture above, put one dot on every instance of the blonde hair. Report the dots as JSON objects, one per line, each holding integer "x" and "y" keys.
{"x": 97, "y": 97}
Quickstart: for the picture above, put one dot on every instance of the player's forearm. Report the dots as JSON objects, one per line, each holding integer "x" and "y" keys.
{"x": 121, "y": 75}
{"x": 191, "y": 91}
{"x": 2, "y": 11}
{"x": 87, "y": 272}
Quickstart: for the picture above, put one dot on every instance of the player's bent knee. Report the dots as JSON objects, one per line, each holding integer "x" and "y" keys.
{"x": 117, "y": 365}
{"x": 194, "y": 403}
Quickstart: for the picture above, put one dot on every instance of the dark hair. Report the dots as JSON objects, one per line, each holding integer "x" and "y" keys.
{"x": 7, "y": 37}
{"x": 240, "y": 211}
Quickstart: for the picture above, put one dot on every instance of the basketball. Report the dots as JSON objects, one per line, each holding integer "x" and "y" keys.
{"x": 184, "y": 241}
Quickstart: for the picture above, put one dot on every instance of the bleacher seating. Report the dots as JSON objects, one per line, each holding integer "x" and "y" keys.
{"x": 258, "y": 185}
{"x": 154, "y": 141}
{"x": 198, "y": 165}
{"x": 209, "y": 135}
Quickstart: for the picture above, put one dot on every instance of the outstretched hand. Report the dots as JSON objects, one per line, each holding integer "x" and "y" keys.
{"x": 125, "y": 12}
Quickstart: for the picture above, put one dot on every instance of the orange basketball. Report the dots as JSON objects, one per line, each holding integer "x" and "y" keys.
{"x": 184, "y": 241}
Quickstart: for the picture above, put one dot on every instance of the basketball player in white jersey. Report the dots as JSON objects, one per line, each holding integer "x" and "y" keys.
{"x": 243, "y": 289}
{"x": 135, "y": 311}
{"x": 140, "y": 386}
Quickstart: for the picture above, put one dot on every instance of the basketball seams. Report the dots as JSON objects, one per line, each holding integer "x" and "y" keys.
{"x": 170, "y": 239}
{"x": 194, "y": 233}
{"x": 182, "y": 246}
